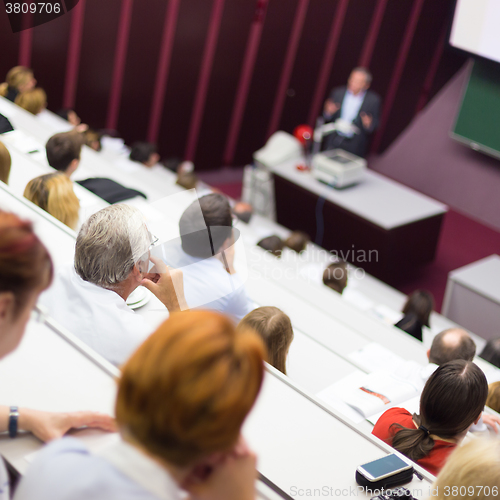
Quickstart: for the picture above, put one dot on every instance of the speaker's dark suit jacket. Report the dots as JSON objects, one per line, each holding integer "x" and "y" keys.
{"x": 359, "y": 142}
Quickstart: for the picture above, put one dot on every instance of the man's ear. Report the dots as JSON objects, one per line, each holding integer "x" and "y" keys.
{"x": 7, "y": 304}
{"x": 139, "y": 270}
{"x": 428, "y": 354}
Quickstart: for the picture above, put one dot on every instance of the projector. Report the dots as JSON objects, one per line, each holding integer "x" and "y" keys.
{"x": 337, "y": 168}
{"x": 279, "y": 148}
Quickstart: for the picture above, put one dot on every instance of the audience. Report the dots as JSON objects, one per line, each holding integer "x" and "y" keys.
{"x": 63, "y": 151}
{"x": 196, "y": 364}
{"x": 417, "y": 311}
{"x": 491, "y": 352}
{"x": 273, "y": 244}
{"x": 472, "y": 471}
{"x": 34, "y": 101}
{"x": 145, "y": 153}
{"x": 18, "y": 80}
{"x": 111, "y": 261}
{"x": 25, "y": 271}
{"x": 449, "y": 345}
{"x": 5, "y": 163}
{"x": 451, "y": 402}
{"x": 197, "y": 361}
{"x": 206, "y": 255}
{"x": 275, "y": 328}
{"x": 54, "y": 194}
{"x": 297, "y": 241}
{"x": 335, "y": 276}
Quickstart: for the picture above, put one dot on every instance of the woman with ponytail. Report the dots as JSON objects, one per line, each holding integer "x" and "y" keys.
{"x": 452, "y": 400}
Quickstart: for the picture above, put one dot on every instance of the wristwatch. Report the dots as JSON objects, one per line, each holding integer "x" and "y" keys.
{"x": 13, "y": 417}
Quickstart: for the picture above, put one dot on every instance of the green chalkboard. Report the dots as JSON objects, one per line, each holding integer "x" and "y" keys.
{"x": 478, "y": 121}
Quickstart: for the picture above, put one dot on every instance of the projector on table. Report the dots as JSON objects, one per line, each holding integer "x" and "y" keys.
{"x": 337, "y": 168}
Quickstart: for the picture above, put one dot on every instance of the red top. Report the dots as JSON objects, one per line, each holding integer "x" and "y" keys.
{"x": 437, "y": 457}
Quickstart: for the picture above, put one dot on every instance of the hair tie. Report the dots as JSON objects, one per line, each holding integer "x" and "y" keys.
{"x": 422, "y": 428}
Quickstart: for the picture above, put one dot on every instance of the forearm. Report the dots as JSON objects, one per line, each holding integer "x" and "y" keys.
{"x": 24, "y": 422}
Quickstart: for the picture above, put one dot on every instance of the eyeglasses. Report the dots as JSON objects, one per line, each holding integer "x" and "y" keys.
{"x": 154, "y": 241}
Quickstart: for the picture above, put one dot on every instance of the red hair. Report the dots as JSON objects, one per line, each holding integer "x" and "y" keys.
{"x": 25, "y": 264}
{"x": 186, "y": 391}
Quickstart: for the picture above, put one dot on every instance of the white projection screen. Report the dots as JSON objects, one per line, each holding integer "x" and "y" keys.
{"x": 476, "y": 28}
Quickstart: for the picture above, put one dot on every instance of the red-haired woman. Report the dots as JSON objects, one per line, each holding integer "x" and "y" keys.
{"x": 25, "y": 271}
{"x": 182, "y": 399}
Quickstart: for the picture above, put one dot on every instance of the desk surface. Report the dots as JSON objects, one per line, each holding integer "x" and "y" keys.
{"x": 380, "y": 200}
{"x": 312, "y": 448}
{"x": 47, "y": 372}
{"x": 482, "y": 276}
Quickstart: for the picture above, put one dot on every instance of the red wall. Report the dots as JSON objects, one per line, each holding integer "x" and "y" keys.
{"x": 244, "y": 77}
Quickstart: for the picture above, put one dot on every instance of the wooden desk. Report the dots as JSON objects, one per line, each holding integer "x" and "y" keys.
{"x": 379, "y": 225}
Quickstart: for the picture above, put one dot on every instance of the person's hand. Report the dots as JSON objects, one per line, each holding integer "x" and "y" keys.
{"x": 366, "y": 119}
{"x": 232, "y": 477}
{"x": 331, "y": 107}
{"x": 47, "y": 426}
{"x": 83, "y": 127}
{"x": 167, "y": 284}
{"x": 226, "y": 256}
{"x": 491, "y": 421}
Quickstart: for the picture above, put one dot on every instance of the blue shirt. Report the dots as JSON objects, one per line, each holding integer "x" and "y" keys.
{"x": 67, "y": 470}
{"x": 350, "y": 107}
{"x": 207, "y": 285}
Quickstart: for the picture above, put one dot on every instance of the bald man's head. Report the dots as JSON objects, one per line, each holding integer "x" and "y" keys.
{"x": 452, "y": 344}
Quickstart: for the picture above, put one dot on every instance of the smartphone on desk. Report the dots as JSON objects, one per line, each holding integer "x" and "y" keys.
{"x": 383, "y": 468}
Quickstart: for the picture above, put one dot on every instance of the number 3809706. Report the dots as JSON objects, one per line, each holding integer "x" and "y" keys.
{"x": 33, "y": 8}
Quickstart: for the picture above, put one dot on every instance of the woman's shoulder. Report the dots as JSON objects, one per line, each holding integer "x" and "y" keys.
{"x": 66, "y": 469}
{"x": 382, "y": 428}
{"x": 437, "y": 457}
{"x": 395, "y": 412}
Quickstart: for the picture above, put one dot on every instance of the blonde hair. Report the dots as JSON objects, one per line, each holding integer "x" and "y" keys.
{"x": 275, "y": 328}
{"x": 493, "y": 400}
{"x": 54, "y": 194}
{"x": 33, "y": 101}
{"x": 16, "y": 77}
{"x": 5, "y": 163}
{"x": 186, "y": 391}
{"x": 471, "y": 471}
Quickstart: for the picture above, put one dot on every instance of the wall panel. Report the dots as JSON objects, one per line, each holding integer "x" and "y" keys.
{"x": 100, "y": 29}
{"x": 267, "y": 70}
{"x": 50, "y": 43}
{"x": 49, "y": 48}
{"x": 226, "y": 69}
{"x": 141, "y": 67}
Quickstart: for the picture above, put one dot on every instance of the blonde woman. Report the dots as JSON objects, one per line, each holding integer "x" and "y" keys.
{"x": 472, "y": 471}
{"x": 18, "y": 80}
{"x": 275, "y": 328}
{"x": 34, "y": 101}
{"x": 54, "y": 194}
{"x": 5, "y": 162}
